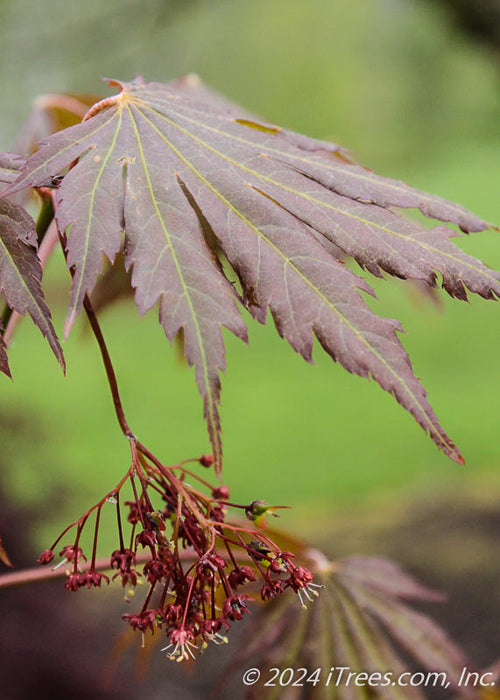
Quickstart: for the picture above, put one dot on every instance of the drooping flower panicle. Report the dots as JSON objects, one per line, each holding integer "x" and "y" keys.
{"x": 197, "y": 564}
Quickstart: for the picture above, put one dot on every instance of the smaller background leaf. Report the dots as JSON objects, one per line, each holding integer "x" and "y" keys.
{"x": 21, "y": 272}
{"x": 4, "y": 556}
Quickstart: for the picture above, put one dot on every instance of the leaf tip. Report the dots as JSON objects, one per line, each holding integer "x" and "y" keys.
{"x": 218, "y": 469}
{"x": 454, "y": 453}
{"x": 4, "y": 557}
{"x": 4, "y": 362}
{"x": 112, "y": 82}
{"x": 62, "y": 363}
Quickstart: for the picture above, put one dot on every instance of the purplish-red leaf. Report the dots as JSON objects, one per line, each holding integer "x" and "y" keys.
{"x": 21, "y": 274}
{"x": 156, "y": 167}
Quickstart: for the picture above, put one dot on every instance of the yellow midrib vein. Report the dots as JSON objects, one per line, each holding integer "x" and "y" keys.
{"x": 28, "y": 291}
{"x": 361, "y": 338}
{"x": 390, "y": 183}
{"x": 211, "y": 400}
{"x": 342, "y": 212}
{"x": 78, "y": 290}
{"x": 62, "y": 151}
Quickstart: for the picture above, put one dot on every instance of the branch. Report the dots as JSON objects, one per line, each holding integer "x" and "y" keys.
{"x": 40, "y": 574}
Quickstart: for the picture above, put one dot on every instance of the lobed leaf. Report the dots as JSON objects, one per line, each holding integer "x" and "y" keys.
{"x": 368, "y": 649}
{"x": 386, "y": 577}
{"x": 21, "y": 274}
{"x": 358, "y": 623}
{"x": 178, "y": 173}
{"x": 414, "y": 631}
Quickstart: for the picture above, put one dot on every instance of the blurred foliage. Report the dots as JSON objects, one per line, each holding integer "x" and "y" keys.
{"x": 480, "y": 20}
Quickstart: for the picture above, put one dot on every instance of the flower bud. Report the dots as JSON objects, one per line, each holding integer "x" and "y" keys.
{"x": 46, "y": 557}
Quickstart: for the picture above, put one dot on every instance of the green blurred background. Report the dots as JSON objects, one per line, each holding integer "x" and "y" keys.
{"x": 414, "y": 98}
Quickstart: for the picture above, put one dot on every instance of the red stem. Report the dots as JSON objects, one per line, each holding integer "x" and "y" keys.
{"x": 119, "y": 519}
{"x": 96, "y": 531}
{"x": 108, "y": 366}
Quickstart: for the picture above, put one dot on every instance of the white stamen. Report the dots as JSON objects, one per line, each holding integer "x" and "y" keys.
{"x": 61, "y": 563}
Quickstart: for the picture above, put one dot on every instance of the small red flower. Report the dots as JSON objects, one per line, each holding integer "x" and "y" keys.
{"x": 72, "y": 582}
{"x": 235, "y": 607}
{"x": 241, "y": 575}
{"x": 182, "y": 643}
{"x": 173, "y": 614}
{"x": 211, "y": 562}
{"x": 143, "y": 620}
{"x": 155, "y": 570}
{"x": 300, "y": 578}
{"x": 271, "y": 589}
{"x": 278, "y": 566}
{"x": 122, "y": 559}
{"x": 128, "y": 577}
{"x": 147, "y": 538}
{"x": 71, "y": 553}
{"x": 211, "y": 626}
{"x": 92, "y": 578}
{"x": 46, "y": 557}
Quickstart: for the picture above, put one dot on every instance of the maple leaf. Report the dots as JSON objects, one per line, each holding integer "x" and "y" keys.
{"x": 180, "y": 179}
{"x": 381, "y": 589}
{"x": 362, "y": 621}
{"x": 21, "y": 274}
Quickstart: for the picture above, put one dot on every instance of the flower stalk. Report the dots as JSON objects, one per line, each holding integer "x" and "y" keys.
{"x": 198, "y": 564}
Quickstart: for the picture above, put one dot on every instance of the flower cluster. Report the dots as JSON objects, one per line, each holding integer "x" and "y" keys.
{"x": 198, "y": 565}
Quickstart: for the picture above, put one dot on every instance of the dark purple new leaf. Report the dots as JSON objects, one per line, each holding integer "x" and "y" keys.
{"x": 21, "y": 274}
{"x": 361, "y": 621}
{"x": 386, "y": 577}
{"x": 157, "y": 167}
{"x": 362, "y": 580}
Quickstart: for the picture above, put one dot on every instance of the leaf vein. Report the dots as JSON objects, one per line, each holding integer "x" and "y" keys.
{"x": 323, "y": 298}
